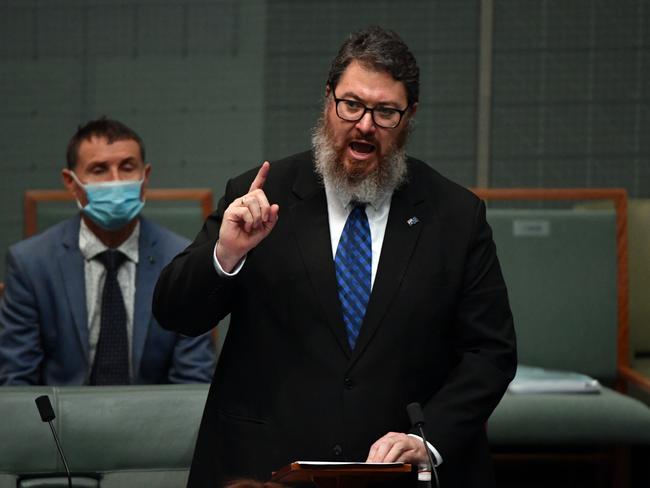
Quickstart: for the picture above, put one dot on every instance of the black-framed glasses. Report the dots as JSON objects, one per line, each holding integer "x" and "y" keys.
{"x": 354, "y": 110}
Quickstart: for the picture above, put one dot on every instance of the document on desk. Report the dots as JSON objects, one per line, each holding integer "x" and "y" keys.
{"x": 531, "y": 379}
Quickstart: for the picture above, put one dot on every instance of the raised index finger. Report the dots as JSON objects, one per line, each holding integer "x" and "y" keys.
{"x": 260, "y": 179}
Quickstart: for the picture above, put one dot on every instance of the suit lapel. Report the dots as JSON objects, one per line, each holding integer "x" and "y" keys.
{"x": 71, "y": 268}
{"x": 407, "y": 216}
{"x": 147, "y": 269}
{"x": 405, "y": 222}
{"x": 311, "y": 227}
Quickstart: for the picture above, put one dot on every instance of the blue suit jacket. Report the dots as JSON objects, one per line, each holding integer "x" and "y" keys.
{"x": 44, "y": 322}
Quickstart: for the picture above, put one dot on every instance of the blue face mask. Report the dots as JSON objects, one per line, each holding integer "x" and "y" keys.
{"x": 112, "y": 204}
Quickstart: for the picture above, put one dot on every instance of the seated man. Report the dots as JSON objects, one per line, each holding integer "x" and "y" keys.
{"x": 77, "y": 303}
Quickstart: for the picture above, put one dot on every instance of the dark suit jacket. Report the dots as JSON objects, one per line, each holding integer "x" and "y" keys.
{"x": 44, "y": 321}
{"x": 438, "y": 330}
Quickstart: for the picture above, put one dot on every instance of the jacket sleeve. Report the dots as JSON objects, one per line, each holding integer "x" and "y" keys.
{"x": 194, "y": 359}
{"x": 484, "y": 345}
{"x": 21, "y": 351}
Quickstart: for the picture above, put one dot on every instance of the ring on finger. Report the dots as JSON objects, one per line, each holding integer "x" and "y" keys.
{"x": 243, "y": 202}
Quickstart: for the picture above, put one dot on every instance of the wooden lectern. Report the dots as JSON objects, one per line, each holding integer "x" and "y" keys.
{"x": 343, "y": 475}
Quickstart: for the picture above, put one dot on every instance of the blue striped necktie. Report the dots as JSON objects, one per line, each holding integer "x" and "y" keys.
{"x": 353, "y": 263}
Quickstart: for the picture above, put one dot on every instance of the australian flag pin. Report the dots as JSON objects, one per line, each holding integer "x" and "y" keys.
{"x": 412, "y": 221}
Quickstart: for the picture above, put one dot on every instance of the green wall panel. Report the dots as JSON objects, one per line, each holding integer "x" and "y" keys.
{"x": 215, "y": 87}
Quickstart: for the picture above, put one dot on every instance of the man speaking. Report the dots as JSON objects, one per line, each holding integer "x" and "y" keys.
{"x": 358, "y": 280}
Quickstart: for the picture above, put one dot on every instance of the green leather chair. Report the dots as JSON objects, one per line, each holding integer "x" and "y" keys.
{"x": 560, "y": 266}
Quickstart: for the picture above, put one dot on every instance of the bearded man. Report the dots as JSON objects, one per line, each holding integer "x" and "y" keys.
{"x": 358, "y": 280}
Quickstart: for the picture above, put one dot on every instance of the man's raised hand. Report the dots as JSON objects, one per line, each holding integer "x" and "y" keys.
{"x": 246, "y": 222}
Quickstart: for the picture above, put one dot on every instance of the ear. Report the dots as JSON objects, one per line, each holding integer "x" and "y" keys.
{"x": 328, "y": 90}
{"x": 72, "y": 186}
{"x": 414, "y": 108}
{"x": 145, "y": 180}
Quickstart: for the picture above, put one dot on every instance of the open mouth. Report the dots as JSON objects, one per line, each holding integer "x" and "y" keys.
{"x": 362, "y": 147}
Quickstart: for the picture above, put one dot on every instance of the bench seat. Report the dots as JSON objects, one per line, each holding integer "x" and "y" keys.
{"x": 129, "y": 436}
{"x": 607, "y": 418}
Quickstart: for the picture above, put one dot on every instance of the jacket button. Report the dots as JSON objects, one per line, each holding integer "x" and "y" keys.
{"x": 337, "y": 450}
{"x": 349, "y": 384}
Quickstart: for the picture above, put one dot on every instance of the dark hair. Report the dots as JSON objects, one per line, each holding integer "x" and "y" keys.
{"x": 382, "y": 50}
{"x": 112, "y": 130}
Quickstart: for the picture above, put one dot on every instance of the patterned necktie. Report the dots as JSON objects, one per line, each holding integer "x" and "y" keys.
{"x": 111, "y": 366}
{"x": 353, "y": 263}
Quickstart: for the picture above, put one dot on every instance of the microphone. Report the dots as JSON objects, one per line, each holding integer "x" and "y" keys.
{"x": 47, "y": 415}
{"x": 416, "y": 416}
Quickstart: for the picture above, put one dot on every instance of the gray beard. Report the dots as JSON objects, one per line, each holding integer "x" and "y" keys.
{"x": 389, "y": 175}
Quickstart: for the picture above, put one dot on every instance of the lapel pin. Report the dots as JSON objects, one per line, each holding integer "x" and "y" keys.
{"x": 151, "y": 259}
{"x": 412, "y": 221}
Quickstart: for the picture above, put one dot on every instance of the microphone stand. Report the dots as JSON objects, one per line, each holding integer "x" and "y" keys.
{"x": 416, "y": 416}
{"x": 58, "y": 446}
{"x": 429, "y": 455}
{"x": 47, "y": 415}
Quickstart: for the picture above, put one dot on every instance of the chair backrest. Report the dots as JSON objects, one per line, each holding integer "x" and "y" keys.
{"x": 182, "y": 210}
{"x": 639, "y": 225}
{"x": 560, "y": 267}
{"x": 566, "y": 271}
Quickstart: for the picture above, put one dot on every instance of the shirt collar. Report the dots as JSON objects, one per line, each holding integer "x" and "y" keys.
{"x": 90, "y": 245}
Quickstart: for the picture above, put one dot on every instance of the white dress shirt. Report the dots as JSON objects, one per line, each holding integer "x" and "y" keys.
{"x": 337, "y": 214}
